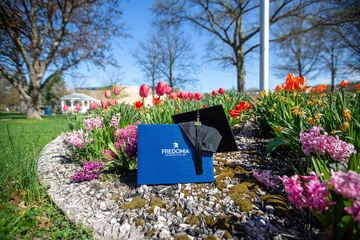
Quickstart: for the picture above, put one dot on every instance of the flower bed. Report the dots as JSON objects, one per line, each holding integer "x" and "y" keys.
{"x": 322, "y": 129}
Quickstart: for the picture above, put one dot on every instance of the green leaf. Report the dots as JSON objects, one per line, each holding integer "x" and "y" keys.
{"x": 341, "y": 228}
{"x": 276, "y": 142}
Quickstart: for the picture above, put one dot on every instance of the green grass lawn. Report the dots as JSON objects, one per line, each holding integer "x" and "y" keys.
{"x": 26, "y": 211}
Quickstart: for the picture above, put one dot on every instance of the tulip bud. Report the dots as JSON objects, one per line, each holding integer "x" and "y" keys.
{"x": 107, "y": 94}
{"x": 65, "y": 108}
{"x": 76, "y": 110}
{"x": 144, "y": 90}
{"x": 168, "y": 90}
{"x": 198, "y": 96}
{"x": 344, "y": 83}
{"x": 78, "y": 106}
{"x": 161, "y": 88}
{"x": 190, "y": 95}
{"x": 213, "y": 93}
{"x": 221, "y": 90}
{"x": 116, "y": 90}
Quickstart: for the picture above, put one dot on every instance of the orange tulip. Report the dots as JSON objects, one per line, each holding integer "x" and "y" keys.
{"x": 321, "y": 88}
{"x": 312, "y": 90}
{"x": 301, "y": 83}
{"x": 344, "y": 83}
{"x": 357, "y": 86}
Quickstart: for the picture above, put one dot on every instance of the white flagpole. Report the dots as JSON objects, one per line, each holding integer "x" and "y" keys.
{"x": 264, "y": 45}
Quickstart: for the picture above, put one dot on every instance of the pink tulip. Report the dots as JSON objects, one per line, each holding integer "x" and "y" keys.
{"x": 93, "y": 105}
{"x": 107, "y": 94}
{"x": 144, "y": 90}
{"x": 65, "y": 108}
{"x": 221, "y": 90}
{"x": 103, "y": 104}
{"x": 198, "y": 96}
{"x": 213, "y": 93}
{"x": 116, "y": 91}
{"x": 172, "y": 95}
{"x": 78, "y": 106}
{"x": 161, "y": 88}
{"x": 168, "y": 90}
{"x": 76, "y": 110}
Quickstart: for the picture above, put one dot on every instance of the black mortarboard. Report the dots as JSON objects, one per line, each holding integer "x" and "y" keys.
{"x": 210, "y": 132}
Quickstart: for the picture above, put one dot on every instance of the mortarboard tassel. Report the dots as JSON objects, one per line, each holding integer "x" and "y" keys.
{"x": 198, "y": 144}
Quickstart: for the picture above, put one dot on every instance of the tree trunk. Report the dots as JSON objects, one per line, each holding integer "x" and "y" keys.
{"x": 22, "y": 103}
{"x": 240, "y": 70}
{"x": 34, "y": 102}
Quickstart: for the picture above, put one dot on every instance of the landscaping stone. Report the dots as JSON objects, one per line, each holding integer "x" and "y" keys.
{"x": 236, "y": 206}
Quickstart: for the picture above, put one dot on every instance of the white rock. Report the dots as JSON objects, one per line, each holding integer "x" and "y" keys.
{"x": 113, "y": 221}
{"x": 125, "y": 228}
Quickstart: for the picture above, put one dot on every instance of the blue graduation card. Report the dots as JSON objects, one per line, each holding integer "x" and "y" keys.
{"x": 166, "y": 156}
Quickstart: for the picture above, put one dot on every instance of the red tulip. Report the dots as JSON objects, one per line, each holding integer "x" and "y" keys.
{"x": 182, "y": 95}
{"x": 78, "y": 106}
{"x": 221, "y": 90}
{"x": 116, "y": 90}
{"x": 144, "y": 90}
{"x": 357, "y": 86}
{"x": 235, "y": 113}
{"x": 344, "y": 83}
{"x": 204, "y": 106}
{"x": 190, "y": 95}
{"x": 213, "y": 93}
{"x": 168, "y": 90}
{"x": 138, "y": 104}
{"x": 107, "y": 94}
{"x": 156, "y": 101}
{"x": 198, "y": 96}
{"x": 161, "y": 88}
{"x": 65, "y": 108}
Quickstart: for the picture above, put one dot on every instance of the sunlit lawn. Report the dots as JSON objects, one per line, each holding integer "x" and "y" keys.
{"x": 25, "y": 210}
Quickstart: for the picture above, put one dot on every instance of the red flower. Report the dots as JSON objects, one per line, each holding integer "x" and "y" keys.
{"x": 138, "y": 104}
{"x": 244, "y": 106}
{"x": 204, "y": 106}
{"x": 235, "y": 113}
{"x": 65, "y": 108}
{"x": 357, "y": 86}
{"x": 213, "y": 93}
{"x": 198, "y": 96}
{"x": 161, "y": 88}
{"x": 344, "y": 84}
{"x": 156, "y": 101}
{"x": 190, "y": 95}
{"x": 168, "y": 90}
{"x": 116, "y": 90}
{"x": 221, "y": 90}
{"x": 107, "y": 94}
{"x": 182, "y": 95}
{"x": 144, "y": 90}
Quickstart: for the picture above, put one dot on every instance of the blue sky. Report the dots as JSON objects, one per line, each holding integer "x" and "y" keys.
{"x": 137, "y": 17}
